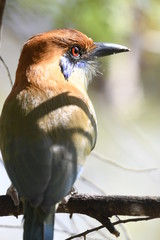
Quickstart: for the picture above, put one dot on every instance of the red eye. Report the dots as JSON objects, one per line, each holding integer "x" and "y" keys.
{"x": 75, "y": 51}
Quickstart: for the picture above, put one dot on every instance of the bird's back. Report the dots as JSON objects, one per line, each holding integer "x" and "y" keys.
{"x": 48, "y": 124}
{"x": 46, "y": 138}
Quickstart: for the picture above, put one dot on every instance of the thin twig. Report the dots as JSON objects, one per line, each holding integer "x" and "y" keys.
{"x": 82, "y": 234}
{"x": 107, "y": 160}
{"x": 11, "y": 226}
{"x": 134, "y": 220}
{"x": 92, "y": 185}
{"x": 2, "y": 6}
{"x": 7, "y": 69}
{"x": 124, "y": 230}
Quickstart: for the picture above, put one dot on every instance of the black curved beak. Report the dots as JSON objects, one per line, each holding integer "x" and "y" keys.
{"x": 104, "y": 49}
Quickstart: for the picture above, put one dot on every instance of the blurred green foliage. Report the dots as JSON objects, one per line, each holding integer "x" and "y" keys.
{"x": 126, "y": 22}
{"x": 97, "y": 18}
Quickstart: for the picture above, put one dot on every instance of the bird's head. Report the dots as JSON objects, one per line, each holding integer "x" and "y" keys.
{"x": 62, "y": 55}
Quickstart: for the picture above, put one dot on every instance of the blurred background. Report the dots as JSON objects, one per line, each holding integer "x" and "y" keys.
{"x": 126, "y": 97}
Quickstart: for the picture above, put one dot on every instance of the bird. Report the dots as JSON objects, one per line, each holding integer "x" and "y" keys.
{"x": 48, "y": 123}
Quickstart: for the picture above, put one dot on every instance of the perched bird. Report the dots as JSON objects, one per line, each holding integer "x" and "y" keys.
{"x": 48, "y": 124}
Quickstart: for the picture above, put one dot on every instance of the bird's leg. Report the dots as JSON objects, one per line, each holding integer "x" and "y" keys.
{"x": 71, "y": 193}
{"x": 65, "y": 200}
{"x": 12, "y": 192}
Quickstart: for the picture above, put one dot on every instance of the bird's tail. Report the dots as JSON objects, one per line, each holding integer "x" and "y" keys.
{"x": 38, "y": 225}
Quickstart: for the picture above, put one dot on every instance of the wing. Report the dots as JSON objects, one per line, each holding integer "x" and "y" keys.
{"x": 26, "y": 153}
{"x": 44, "y": 142}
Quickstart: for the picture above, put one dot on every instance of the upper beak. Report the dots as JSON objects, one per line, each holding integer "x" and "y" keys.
{"x": 104, "y": 49}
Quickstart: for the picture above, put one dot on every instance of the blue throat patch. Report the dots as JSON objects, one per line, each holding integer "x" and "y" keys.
{"x": 67, "y": 65}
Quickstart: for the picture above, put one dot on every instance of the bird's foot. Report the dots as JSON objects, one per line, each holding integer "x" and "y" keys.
{"x": 12, "y": 192}
{"x": 71, "y": 193}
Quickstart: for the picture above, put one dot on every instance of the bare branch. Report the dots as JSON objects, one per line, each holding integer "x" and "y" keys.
{"x": 82, "y": 234}
{"x": 133, "y": 220}
{"x": 112, "y": 162}
{"x": 104, "y": 205}
{"x": 2, "y": 6}
{"x": 7, "y": 207}
{"x": 100, "y": 208}
{"x": 7, "y": 69}
{"x": 112, "y": 205}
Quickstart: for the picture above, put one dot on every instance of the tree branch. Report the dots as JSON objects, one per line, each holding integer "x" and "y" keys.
{"x": 112, "y": 205}
{"x": 86, "y": 204}
{"x": 2, "y": 6}
{"x": 83, "y": 234}
{"x": 97, "y": 207}
{"x": 7, "y": 207}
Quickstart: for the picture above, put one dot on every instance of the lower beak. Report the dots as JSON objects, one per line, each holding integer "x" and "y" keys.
{"x": 104, "y": 49}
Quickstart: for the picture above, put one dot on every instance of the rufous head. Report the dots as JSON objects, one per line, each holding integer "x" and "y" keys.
{"x": 62, "y": 55}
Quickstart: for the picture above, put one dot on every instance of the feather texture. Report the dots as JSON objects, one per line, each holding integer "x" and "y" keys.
{"x": 48, "y": 127}
{"x": 38, "y": 225}
{"x": 48, "y": 124}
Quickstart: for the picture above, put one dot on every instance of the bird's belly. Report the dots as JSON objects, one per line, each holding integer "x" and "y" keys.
{"x": 47, "y": 147}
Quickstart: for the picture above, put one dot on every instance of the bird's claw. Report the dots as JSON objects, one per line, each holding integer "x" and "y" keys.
{"x": 72, "y": 192}
{"x": 12, "y": 192}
